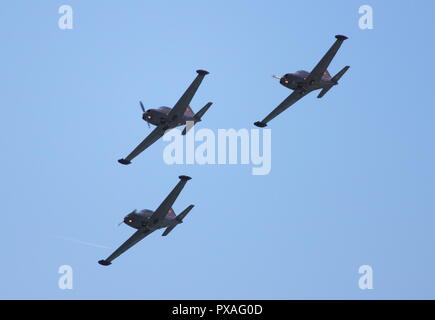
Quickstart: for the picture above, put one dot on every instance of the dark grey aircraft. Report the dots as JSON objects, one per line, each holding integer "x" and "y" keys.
{"x": 147, "y": 221}
{"x": 166, "y": 118}
{"x": 303, "y": 82}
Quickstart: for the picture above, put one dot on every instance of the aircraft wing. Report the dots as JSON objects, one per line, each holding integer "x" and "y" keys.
{"x": 317, "y": 73}
{"x": 149, "y": 140}
{"x": 181, "y": 105}
{"x": 288, "y": 102}
{"x": 135, "y": 238}
{"x": 166, "y": 205}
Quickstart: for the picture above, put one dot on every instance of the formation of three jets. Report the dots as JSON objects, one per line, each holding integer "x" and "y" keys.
{"x": 165, "y": 118}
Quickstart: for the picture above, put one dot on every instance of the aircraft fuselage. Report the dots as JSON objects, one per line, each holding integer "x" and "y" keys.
{"x": 298, "y": 81}
{"x": 159, "y": 117}
{"x": 141, "y": 219}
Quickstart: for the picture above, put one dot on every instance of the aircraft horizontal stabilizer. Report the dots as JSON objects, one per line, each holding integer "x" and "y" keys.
{"x": 197, "y": 117}
{"x": 201, "y": 112}
{"x": 334, "y": 80}
{"x": 340, "y": 74}
{"x": 178, "y": 220}
{"x": 324, "y": 91}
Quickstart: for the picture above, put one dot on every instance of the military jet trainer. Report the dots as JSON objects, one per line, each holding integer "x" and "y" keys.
{"x": 147, "y": 221}
{"x": 303, "y": 82}
{"x": 166, "y": 118}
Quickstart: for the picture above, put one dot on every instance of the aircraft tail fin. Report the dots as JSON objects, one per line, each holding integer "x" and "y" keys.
{"x": 178, "y": 220}
{"x": 197, "y": 117}
{"x": 334, "y": 80}
{"x": 189, "y": 112}
{"x": 171, "y": 213}
{"x": 327, "y": 75}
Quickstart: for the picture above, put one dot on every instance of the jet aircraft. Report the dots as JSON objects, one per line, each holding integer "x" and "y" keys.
{"x": 147, "y": 221}
{"x": 165, "y": 118}
{"x": 303, "y": 82}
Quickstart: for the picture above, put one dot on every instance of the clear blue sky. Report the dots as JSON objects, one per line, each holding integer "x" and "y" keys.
{"x": 352, "y": 178}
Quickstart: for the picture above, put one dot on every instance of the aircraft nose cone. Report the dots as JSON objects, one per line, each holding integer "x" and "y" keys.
{"x": 146, "y": 115}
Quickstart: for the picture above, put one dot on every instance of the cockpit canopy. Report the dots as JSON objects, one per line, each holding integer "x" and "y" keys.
{"x": 164, "y": 109}
{"x": 145, "y": 212}
{"x": 301, "y": 72}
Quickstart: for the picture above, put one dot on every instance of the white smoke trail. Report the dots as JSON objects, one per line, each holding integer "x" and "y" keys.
{"x": 90, "y": 244}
